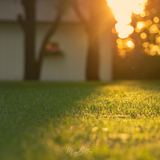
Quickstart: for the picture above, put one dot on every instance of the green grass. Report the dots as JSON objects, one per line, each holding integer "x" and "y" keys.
{"x": 42, "y": 120}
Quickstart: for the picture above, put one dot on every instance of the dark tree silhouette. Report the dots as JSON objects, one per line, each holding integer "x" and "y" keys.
{"x": 33, "y": 66}
{"x": 99, "y": 14}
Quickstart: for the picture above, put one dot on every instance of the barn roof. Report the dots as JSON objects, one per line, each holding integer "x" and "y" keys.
{"x": 45, "y": 12}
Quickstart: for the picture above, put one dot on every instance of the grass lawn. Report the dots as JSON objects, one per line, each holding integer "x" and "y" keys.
{"x": 81, "y": 121}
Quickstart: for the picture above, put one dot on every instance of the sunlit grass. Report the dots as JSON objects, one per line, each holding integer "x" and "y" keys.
{"x": 119, "y": 120}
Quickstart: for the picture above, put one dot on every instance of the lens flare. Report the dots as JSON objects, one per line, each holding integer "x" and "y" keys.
{"x": 124, "y": 30}
{"x": 123, "y": 10}
{"x": 137, "y": 9}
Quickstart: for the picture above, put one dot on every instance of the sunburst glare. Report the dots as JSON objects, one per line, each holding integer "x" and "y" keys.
{"x": 122, "y": 10}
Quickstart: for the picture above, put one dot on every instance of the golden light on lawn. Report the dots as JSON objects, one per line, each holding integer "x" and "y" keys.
{"x": 123, "y": 10}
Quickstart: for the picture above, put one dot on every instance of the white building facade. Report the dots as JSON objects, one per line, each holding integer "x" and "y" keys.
{"x": 70, "y": 36}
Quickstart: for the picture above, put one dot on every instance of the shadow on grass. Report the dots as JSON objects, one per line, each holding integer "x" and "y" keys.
{"x": 26, "y": 106}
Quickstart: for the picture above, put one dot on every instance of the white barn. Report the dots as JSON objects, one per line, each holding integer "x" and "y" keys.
{"x": 70, "y": 36}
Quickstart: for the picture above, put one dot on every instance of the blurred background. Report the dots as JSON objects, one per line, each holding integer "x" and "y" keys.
{"x": 137, "y": 53}
{"x": 79, "y": 40}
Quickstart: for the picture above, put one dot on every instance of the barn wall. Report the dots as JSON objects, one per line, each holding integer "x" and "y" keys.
{"x": 11, "y": 52}
{"x": 70, "y": 67}
{"x": 72, "y": 42}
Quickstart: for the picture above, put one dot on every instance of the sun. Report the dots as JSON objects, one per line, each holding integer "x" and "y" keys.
{"x": 123, "y": 10}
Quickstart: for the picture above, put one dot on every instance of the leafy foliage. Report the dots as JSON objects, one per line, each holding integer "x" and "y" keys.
{"x": 146, "y": 35}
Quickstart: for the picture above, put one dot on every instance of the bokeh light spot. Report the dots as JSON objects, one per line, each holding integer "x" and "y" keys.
{"x": 152, "y": 53}
{"x": 119, "y": 41}
{"x": 154, "y": 29}
{"x": 155, "y": 48}
{"x": 146, "y": 44}
{"x": 156, "y": 19}
{"x": 158, "y": 39}
{"x": 140, "y": 25}
{"x": 143, "y": 35}
{"x": 138, "y": 9}
{"x": 151, "y": 46}
{"x": 148, "y": 22}
{"x": 130, "y": 44}
{"x": 124, "y": 30}
{"x": 153, "y": 11}
{"x": 123, "y": 10}
{"x": 147, "y": 13}
{"x": 147, "y": 50}
{"x": 142, "y": 14}
{"x": 158, "y": 52}
{"x": 122, "y": 53}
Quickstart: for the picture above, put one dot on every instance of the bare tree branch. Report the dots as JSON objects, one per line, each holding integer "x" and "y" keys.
{"x": 48, "y": 35}
{"x": 22, "y": 22}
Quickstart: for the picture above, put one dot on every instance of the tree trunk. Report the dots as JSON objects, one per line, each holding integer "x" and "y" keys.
{"x": 94, "y": 25}
{"x": 29, "y": 57}
{"x": 29, "y": 30}
{"x": 97, "y": 11}
{"x": 47, "y": 37}
{"x": 33, "y": 67}
{"x": 92, "y": 68}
